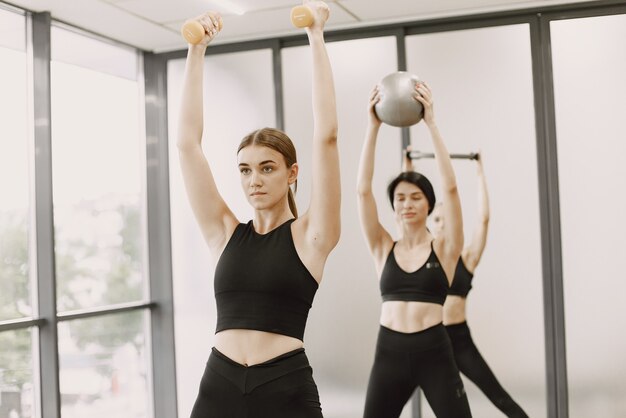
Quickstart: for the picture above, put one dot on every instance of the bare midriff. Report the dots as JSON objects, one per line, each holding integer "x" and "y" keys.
{"x": 409, "y": 317}
{"x": 249, "y": 347}
{"x": 454, "y": 310}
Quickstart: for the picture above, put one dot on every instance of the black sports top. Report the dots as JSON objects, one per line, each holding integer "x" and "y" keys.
{"x": 261, "y": 283}
{"x": 426, "y": 284}
{"x": 462, "y": 282}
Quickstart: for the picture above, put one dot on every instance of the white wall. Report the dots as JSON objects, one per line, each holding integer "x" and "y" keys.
{"x": 589, "y": 60}
{"x": 238, "y": 98}
{"x": 482, "y": 87}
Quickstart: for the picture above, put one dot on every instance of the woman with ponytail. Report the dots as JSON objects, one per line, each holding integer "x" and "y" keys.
{"x": 269, "y": 268}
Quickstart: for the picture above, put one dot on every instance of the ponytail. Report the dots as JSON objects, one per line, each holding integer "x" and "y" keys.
{"x": 292, "y": 200}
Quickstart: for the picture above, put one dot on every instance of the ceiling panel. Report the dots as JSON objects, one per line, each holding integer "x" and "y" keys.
{"x": 34, "y": 5}
{"x": 155, "y": 24}
{"x": 408, "y": 10}
{"x": 167, "y": 11}
{"x": 374, "y": 10}
{"x": 108, "y": 20}
{"x": 264, "y": 24}
{"x": 265, "y": 4}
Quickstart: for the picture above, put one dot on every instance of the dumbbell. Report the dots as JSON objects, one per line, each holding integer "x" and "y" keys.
{"x": 301, "y": 17}
{"x": 194, "y": 32}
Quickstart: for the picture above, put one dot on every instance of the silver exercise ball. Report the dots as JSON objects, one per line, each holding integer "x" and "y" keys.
{"x": 396, "y": 106}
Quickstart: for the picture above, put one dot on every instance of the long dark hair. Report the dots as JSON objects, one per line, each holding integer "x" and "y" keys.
{"x": 278, "y": 141}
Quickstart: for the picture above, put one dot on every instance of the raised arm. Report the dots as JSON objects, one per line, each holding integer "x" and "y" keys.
{"x": 216, "y": 220}
{"x": 322, "y": 220}
{"x": 474, "y": 251}
{"x": 378, "y": 239}
{"x": 450, "y": 244}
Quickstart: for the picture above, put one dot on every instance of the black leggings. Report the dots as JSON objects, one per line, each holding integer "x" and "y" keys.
{"x": 472, "y": 365}
{"x": 282, "y": 387}
{"x": 406, "y": 361}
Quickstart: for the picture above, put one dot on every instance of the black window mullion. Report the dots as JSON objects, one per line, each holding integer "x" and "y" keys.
{"x": 48, "y": 357}
{"x": 549, "y": 214}
{"x": 159, "y": 238}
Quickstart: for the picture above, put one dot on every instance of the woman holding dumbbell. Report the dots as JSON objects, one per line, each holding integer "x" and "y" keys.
{"x": 468, "y": 358}
{"x": 413, "y": 348}
{"x": 268, "y": 270}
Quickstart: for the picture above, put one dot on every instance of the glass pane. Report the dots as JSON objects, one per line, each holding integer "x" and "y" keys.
{"x": 590, "y": 109}
{"x": 104, "y": 367}
{"x": 12, "y": 31}
{"x": 15, "y": 292}
{"x": 342, "y": 376}
{"x": 17, "y": 394}
{"x": 244, "y": 83}
{"x": 482, "y": 88}
{"x": 84, "y": 50}
{"x": 98, "y": 154}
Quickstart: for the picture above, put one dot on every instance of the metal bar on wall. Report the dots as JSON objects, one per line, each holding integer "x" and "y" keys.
{"x": 549, "y": 213}
{"x": 159, "y": 238}
{"x": 277, "y": 71}
{"x": 40, "y": 53}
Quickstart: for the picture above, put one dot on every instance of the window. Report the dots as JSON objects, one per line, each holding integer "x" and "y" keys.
{"x": 16, "y": 291}
{"x": 98, "y": 173}
{"x": 97, "y": 181}
{"x": 591, "y": 147}
{"x": 99, "y": 219}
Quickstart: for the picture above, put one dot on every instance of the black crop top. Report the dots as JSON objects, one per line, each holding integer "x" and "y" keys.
{"x": 462, "y": 282}
{"x": 426, "y": 284}
{"x": 261, "y": 283}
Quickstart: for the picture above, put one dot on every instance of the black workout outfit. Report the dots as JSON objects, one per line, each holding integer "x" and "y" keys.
{"x": 467, "y": 356}
{"x": 404, "y": 361}
{"x": 261, "y": 284}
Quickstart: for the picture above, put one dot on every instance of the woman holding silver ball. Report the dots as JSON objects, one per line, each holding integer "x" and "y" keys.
{"x": 415, "y": 271}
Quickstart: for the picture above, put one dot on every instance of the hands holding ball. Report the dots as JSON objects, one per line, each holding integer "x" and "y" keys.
{"x": 401, "y": 100}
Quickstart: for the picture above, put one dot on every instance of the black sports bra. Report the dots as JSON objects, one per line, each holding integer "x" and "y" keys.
{"x": 462, "y": 282}
{"x": 426, "y": 284}
{"x": 261, "y": 283}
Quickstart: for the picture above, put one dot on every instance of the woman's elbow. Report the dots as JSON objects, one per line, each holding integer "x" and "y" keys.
{"x": 185, "y": 145}
{"x": 329, "y": 132}
{"x": 363, "y": 190}
{"x": 331, "y": 137}
{"x": 451, "y": 189}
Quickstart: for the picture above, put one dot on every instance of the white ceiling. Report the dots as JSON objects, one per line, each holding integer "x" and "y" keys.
{"x": 154, "y": 25}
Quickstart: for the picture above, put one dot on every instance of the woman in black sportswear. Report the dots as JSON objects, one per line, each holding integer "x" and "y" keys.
{"x": 413, "y": 348}
{"x": 269, "y": 269}
{"x": 468, "y": 358}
